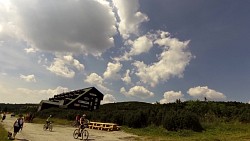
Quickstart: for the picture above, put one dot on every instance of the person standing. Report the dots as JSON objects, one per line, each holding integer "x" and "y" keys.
{"x": 78, "y": 119}
{"x": 18, "y": 124}
{"x": 3, "y": 117}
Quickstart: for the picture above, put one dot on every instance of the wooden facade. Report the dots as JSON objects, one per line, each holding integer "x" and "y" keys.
{"x": 86, "y": 99}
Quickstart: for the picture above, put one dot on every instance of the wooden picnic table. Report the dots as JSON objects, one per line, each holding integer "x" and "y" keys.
{"x": 104, "y": 126}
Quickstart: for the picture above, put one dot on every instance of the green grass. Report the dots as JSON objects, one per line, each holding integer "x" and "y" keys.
{"x": 213, "y": 132}
{"x": 54, "y": 120}
{"x": 3, "y": 134}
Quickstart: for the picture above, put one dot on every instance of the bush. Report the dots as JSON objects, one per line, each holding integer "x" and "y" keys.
{"x": 136, "y": 120}
{"x": 174, "y": 121}
{"x": 245, "y": 117}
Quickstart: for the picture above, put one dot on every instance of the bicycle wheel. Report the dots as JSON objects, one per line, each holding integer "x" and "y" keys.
{"x": 44, "y": 127}
{"x": 85, "y": 134}
{"x": 50, "y": 127}
{"x": 75, "y": 134}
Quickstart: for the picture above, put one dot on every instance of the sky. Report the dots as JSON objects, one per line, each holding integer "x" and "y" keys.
{"x": 134, "y": 50}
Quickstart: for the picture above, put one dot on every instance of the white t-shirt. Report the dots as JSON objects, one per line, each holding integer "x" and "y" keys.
{"x": 20, "y": 122}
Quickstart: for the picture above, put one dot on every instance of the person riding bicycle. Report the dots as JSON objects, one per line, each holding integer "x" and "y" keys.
{"x": 83, "y": 123}
{"x": 48, "y": 120}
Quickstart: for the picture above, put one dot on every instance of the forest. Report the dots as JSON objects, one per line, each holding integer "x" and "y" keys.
{"x": 187, "y": 115}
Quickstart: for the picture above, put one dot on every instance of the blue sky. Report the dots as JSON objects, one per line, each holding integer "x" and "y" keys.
{"x": 133, "y": 50}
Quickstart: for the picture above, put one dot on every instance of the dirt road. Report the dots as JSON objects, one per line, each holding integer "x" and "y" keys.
{"x": 34, "y": 132}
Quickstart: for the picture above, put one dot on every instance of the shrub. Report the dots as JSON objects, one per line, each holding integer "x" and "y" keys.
{"x": 136, "y": 120}
{"x": 174, "y": 121}
{"x": 245, "y": 117}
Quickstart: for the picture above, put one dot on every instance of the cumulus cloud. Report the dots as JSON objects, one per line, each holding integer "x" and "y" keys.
{"x": 171, "y": 96}
{"x": 64, "y": 66}
{"x": 96, "y": 80}
{"x": 137, "y": 91}
{"x": 127, "y": 78}
{"x": 7, "y": 27}
{"x": 112, "y": 71}
{"x": 171, "y": 62}
{"x": 141, "y": 45}
{"x": 130, "y": 17}
{"x": 201, "y": 92}
{"x": 24, "y": 95}
{"x": 63, "y": 26}
{"x": 108, "y": 98}
{"x": 28, "y": 78}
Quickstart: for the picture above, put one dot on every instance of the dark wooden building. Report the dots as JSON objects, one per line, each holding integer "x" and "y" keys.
{"x": 86, "y": 99}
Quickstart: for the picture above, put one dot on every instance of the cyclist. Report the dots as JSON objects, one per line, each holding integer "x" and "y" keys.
{"x": 48, "y": 120}
{"x": 83, "y": 123}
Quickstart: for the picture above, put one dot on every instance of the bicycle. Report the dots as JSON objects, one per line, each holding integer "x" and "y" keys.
{"x": 84, "y": 134}
{"x": 75, "y": 124}
{"x": 48, "y": 126}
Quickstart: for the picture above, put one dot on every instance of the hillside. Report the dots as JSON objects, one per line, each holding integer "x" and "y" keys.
{"x": 141, "y": 114}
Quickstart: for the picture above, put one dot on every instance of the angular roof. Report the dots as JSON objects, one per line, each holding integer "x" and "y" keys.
{"x": 70, "y": 97}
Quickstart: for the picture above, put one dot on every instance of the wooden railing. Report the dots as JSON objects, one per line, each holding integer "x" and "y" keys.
{"x": 104, "y": 126}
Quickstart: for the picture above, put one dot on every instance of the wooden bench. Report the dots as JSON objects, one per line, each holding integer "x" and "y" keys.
{"x": 104, "y": 126}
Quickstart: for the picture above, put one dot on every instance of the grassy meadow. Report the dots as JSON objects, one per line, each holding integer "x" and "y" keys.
{"x": 212, "y": 132}
{"x": 217, "y": 131}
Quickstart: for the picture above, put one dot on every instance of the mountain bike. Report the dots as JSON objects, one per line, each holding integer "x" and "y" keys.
{"x": 84, "y": 134}
{"x": 75, "y": 124}
{"x": 48, "y": 126}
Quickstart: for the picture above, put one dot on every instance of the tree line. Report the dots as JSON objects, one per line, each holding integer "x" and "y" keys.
{"x": 172, "y": 116}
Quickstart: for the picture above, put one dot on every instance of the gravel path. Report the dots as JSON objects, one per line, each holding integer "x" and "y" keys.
{"x": 34, "y": 132}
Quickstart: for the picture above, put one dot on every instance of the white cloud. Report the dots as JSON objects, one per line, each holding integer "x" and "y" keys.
{"x": 248, "y": 102}
{"x": 108, "y": 98}
{"x": 112, "y": 71}
{"x": 201, "y": 92}
{"x": 28, "y": 78}
{"x": 62, "y": 26}
{"x": 141, "y": 45}
{"x": 24, "y": 95}
{"x": 127, "y": 78}
{"x": 172, "y": 61}
{"x": 137, "y": 91}
{"x": 7, "y": 27}
{"x": 75, "y": 63}
{"x": 64, "y": 65}
{"x": 30, "y": 50}
{"x": 130, "y": 17}
{"x": 171, "y": 96}
{"x": 96, "y": 80}
{"x": 3, "y": 73}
